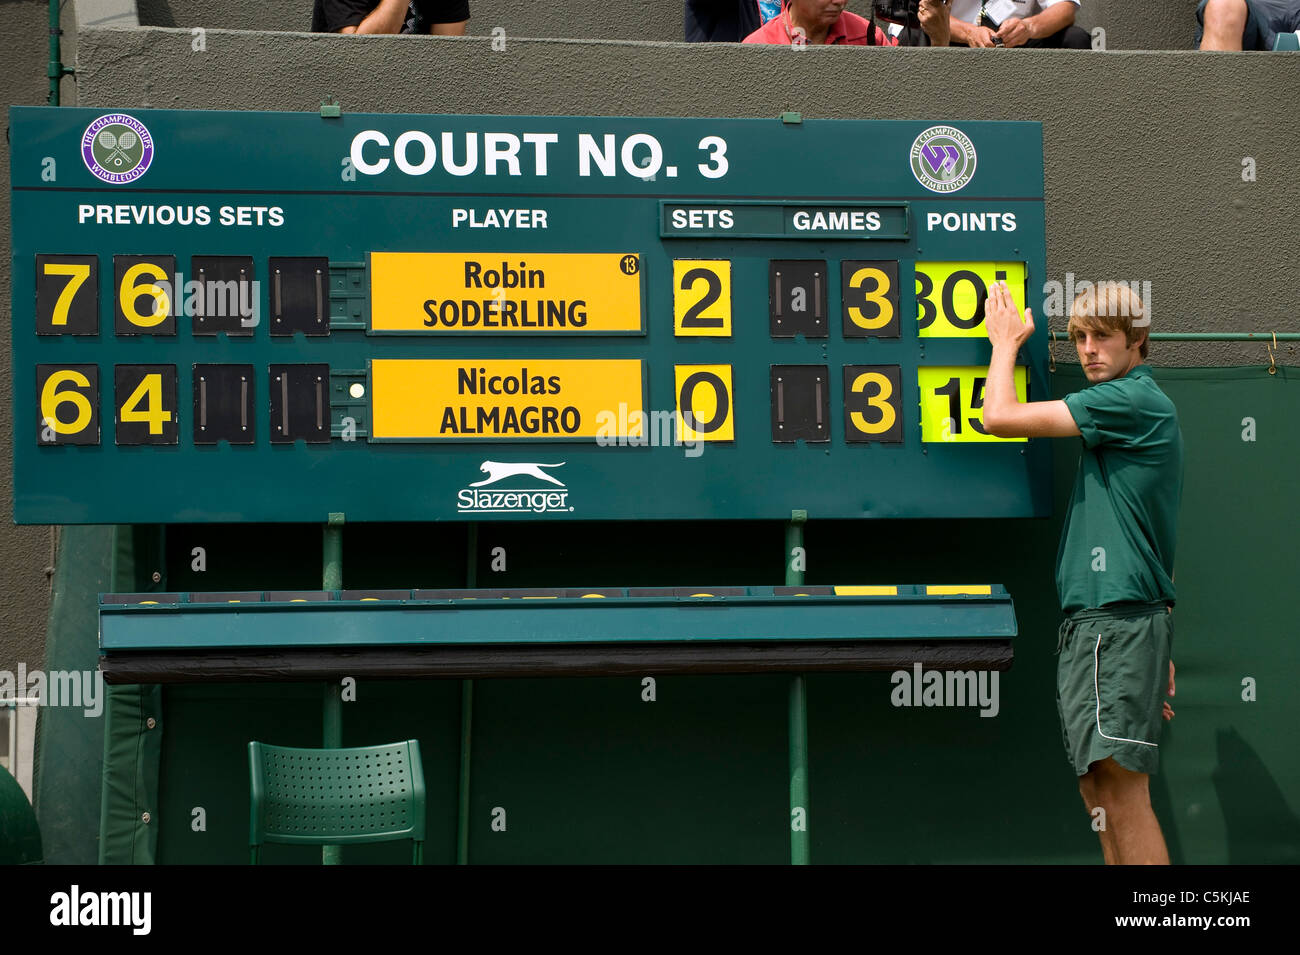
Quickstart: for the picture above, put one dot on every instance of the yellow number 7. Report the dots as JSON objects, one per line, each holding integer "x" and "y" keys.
{"x": 77, "y": 275}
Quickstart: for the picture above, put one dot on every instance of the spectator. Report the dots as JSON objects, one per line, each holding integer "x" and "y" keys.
{"x": 727, "y": 21}
{"x": 439, "y": 17}
{"x": 1030, "y": 23}
{"x": 1244, "y": 24}
{"x": 827, "y": 22}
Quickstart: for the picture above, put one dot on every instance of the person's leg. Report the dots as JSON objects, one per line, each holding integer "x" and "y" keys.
{"x": 1126, "y": 797}
{"x": 1225, "y": 22}
{"x": 1088, "y": 790}
{"x": 1066, "y": 38}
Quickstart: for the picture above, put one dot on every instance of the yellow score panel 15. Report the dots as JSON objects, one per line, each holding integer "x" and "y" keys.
{"x": 950, "y": 296}
{"x": 952, "y": 403}
{"x": 493, "y": 293}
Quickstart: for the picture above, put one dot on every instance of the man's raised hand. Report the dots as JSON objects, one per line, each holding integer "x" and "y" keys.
{"x": 1002, "y": 318}
{"x": 933, "y": 15}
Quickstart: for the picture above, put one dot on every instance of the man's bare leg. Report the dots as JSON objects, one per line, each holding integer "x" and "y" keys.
{"x": 1126, "y": 797}
{"x": 1225, "y": 20}
{"x": 1089, "y": 793}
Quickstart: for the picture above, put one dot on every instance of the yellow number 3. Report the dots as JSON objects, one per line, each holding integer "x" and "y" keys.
{"x": 877, "y": 296}
{"x": 880, "y": 401}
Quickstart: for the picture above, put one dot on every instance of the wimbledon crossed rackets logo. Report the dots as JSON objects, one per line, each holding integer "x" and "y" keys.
{"x": 943, "y": 159}
{"x": 117, "y": 148}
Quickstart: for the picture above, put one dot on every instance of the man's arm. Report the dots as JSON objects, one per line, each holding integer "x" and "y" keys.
{"x": 1004, "y": 415}
{"x": 971, "y": 34}
{"x": 934, "y": 21}
{"x": 386, "y": 17}
{"x": 1017, "y": 32}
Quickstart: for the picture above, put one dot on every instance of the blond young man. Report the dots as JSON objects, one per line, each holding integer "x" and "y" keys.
{"x": 1115, "y": 564}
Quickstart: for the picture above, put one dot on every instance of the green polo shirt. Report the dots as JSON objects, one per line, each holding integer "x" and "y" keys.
{"x": 1121, "y": 528}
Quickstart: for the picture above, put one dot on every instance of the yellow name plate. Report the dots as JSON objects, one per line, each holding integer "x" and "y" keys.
{"x": 441, "y": 399}
{"x": 493, "y": 293}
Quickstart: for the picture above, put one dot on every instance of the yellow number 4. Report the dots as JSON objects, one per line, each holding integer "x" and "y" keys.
{"x": 148, "y": 392}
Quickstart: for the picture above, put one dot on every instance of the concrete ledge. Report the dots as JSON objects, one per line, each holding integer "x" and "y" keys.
{"x": 1143, "y": 152}
{"x": 104, "y": 14}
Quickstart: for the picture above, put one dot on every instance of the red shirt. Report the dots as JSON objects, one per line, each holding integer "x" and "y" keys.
{"x": 849, "y": 29}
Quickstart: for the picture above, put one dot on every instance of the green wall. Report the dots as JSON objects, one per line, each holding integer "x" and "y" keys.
{"x": 587, "y": 771}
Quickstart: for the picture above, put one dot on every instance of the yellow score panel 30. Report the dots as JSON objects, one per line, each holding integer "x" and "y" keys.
{"x": 494, "y": 293}
{"x": 950, "y": 296}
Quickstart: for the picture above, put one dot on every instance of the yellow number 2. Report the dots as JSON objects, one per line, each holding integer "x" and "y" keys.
{"x": 77, "y": 275}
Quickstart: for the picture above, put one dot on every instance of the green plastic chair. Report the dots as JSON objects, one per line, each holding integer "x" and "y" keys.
{"x": 1287, "y": 41}
{"x": 336, "y": 797}
{"x": 20, "y": 836}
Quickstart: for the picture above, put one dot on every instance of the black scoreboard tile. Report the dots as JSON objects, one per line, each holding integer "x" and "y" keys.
{"x": 230, "y": 297}
{"x": 300, "y": 296}
{"x": 869, "y": 297}
{"x": 227, "y": 597}
{"x": 297, "y": 596}
{"x": 140, "y": 598}
{"x": 801, "y": 403}
{"x": 300, "y": 405}
{"x": 873, "y": 404}
{"x": 796, "y": 298}
{"x": 145, "y": 410}
{"x": 223, "y": 404}
{"x": 802, "y": 592}
{"x": 463, "y": 594}
{"x": 141, "y": 274}
{"x": 67, "y": 295}
{"x": 67, "y": 404}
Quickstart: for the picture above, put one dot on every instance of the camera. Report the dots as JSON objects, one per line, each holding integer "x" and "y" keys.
{"x": 905, "y": 12}
{"x": 897, "y": 11}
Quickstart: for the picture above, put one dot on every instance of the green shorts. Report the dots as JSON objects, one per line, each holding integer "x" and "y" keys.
{"x": 1112, "y": 679}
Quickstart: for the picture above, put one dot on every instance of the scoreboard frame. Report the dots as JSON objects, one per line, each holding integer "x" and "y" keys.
{"x": 747, "y": 398}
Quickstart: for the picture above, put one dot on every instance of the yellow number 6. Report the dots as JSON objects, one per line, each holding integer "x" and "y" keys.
{"x": 51, "y": 398}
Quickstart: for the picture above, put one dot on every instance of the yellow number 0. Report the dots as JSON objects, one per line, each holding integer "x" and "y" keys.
{"x": 149, "y": 391}
{"x": 77, "y": 274}
{"x": 880, "y": 401}
{"x": 877, "y": 296}
{"x": 51, "y": 398}
{"x": 130, "y": 291}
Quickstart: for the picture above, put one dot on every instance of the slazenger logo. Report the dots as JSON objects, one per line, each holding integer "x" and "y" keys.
{"x": 943, "y": 159}
{"x": 477, "y": 498}
{"x": 117, "y": 148}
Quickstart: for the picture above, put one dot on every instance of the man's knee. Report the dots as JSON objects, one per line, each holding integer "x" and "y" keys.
{"x": 1076, "y": 38}
{"x": 1225, "y": 15}
{"x": 1112, "y": 783}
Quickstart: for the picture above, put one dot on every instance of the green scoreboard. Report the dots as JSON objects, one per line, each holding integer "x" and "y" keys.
{"x": 244, "y": 316}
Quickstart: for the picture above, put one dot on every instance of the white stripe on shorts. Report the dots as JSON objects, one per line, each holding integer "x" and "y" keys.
{"x": 1097, "y": 690}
